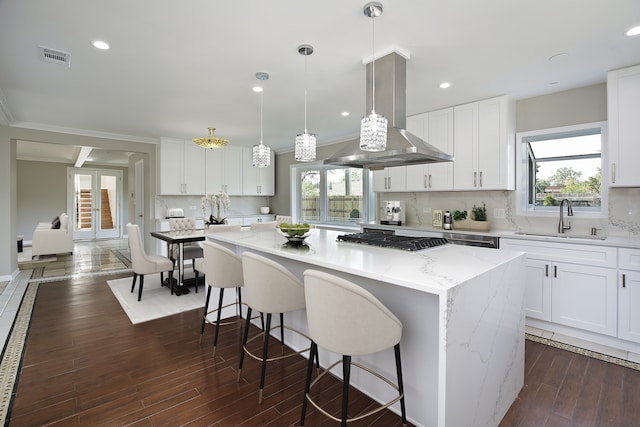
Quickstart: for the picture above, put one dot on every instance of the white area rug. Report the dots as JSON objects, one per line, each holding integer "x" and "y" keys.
{"x": 157, "y": 300}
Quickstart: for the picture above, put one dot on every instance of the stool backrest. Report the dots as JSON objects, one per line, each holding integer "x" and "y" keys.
{"x": 263, "y": 226}
{"x": 269, "y": 287}
{"x": 222, "y": 267}
{"x": 221, "y": 228}
{"x": 347, "y": 319}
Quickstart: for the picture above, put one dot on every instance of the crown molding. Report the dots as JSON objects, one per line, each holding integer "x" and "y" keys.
{"x": 84, "y": 132}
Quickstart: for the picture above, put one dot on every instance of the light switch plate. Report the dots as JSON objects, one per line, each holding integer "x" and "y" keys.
{"x": 436, "y": 216}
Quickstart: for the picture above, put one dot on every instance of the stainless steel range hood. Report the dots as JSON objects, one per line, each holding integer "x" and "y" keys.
{"x": 403, "y": 148}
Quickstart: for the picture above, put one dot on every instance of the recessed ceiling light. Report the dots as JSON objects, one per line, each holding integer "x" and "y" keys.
{"x": 553, "y": 83}
{"x": 344, "y": 113}
{"x": 99, "y": 44}
{"x": 558, "y": 56}
{"x": 257, "y": 89}
{"x": 445, "y": 85}
{"x": 634, "y": 31}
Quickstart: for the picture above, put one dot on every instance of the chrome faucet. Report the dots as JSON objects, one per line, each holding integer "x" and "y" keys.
{"x": 561, "y": 226}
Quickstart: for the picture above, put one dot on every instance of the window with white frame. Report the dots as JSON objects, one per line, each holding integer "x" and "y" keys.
{"x": 562, "y": 163}
{"x": 329, "y": 194}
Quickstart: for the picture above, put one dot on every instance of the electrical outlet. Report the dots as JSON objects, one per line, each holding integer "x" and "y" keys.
{"x": 498, "y": 212}
{"x": 426, "y": 210}
{"x": 192, "y": 208}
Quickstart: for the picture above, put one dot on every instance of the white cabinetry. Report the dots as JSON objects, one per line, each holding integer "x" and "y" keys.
{"x": 484, "y": 145}
{"x": 390, "y": 179}
{"x": 181, "y": 169}
{"x": 435, "y": 127}
{"x": 623, "y": 105}
{"x": 224, "y": 170}
{"x": 257, "y": 181}
{"x": 629, "y": 294}
{"x": 569, "y": 284}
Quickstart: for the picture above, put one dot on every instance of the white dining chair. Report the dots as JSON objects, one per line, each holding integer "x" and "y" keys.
{"x": 143, "y": 264}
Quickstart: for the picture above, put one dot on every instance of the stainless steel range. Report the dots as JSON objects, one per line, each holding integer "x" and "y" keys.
{"x": 390, "y": 240}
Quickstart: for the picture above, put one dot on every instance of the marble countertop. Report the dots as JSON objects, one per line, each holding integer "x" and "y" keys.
{"x": 433, "y": 270}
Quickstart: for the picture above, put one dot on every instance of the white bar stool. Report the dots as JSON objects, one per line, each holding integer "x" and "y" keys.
{"x": 346, "y": 319}
{"x": 269, "y": 288}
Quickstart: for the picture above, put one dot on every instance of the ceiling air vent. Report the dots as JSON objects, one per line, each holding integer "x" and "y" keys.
{"x": 55, "y": 56}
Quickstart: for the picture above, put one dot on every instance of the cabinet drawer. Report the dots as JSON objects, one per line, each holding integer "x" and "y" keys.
{"x": 597, "y": 256}
{"x": 629, "y": 259}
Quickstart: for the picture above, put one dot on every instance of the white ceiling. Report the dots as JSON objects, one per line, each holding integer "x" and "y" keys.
{"x": 176, "y": 68}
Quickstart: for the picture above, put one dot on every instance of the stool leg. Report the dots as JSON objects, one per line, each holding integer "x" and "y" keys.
{"x": 400, "y": 384}
{"x": 239, "y": 300}
{"x": 140, "y": 287}
{"x": 244, "y": 340}
{"x": 313, "y": 351}
{"x": 133, "y": 284}
{"x": 215, "y": 339}
{"x": 346, "y": 375}
{"x": 282, "y": 331}
{"x": 204, "y": 316}
{"x": 265, "y": 351}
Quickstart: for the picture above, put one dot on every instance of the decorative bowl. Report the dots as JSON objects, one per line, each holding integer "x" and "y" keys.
{"x": 294, "y": 233}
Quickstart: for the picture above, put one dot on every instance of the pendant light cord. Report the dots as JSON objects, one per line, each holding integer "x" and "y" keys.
{"x": 373, "y": 65}
{"x": 305, "y": 93}
{"x": 261, "y": 108}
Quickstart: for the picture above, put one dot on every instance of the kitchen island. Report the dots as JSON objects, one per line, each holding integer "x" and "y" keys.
{"x": 462, "y": 314}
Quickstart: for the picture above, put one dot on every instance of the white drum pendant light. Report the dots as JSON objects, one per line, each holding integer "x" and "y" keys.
{"x": 261, "y": 152}
{"x": 305, "y": 148}
{"x": 373, "y": 128}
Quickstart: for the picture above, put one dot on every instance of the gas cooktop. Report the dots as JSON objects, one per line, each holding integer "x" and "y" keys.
{"x": 390, "y": 240}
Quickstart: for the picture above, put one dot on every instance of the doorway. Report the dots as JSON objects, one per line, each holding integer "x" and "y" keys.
{"x": 95, "y": 198}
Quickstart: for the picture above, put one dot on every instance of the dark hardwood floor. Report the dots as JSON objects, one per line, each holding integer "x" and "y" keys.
{"x": 86, "y": 364}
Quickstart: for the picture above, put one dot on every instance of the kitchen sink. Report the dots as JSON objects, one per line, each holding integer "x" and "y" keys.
{"x": 561, "y": 235}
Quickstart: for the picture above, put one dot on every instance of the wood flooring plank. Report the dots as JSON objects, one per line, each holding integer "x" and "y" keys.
{"x": 567, "y": 398}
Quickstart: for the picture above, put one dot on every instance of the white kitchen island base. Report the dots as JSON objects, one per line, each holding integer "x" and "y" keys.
{"x": 462, "y": 313}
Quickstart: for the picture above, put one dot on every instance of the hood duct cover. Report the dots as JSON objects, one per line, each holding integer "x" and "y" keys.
{"x": 403, "y": 148}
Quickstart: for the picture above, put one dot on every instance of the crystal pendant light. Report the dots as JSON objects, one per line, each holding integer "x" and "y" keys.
{"x": 261, "y": 152}
{"x": 305, "y": 148}
{"x": 373, "y": 128}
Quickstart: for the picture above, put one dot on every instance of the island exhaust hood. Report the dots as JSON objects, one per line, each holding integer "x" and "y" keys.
{"x": 403, "y": 148}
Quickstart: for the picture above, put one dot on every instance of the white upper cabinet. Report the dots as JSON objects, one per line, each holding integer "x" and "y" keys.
{"x": 257, "y": 181}
{"x": 484, "y": 145}
{"x": 224, "y": 170}
{"x": 182, "y": 168}
{"x": 623, "y": 106}
{"x": 436, "y": 128}
{"x": 390, "y": 179}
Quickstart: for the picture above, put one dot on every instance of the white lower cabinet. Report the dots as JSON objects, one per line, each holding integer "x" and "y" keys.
{"x": 629, "y": 294}
{"x": 570, "y": 284}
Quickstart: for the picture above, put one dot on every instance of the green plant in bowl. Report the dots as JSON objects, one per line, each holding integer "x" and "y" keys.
{"x": 459, "y": 215}
{"x": 479, "y": 213}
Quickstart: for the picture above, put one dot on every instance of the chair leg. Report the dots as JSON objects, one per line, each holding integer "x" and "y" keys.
{"x": 265, "y": 351}
{"x": 215, "y": 339}
{"x": 161, "y": 278}
{"x": 140, "y": 287}
{"x": 193, "y": 262}
{"x": 307, "y": 385}
{"x": 244, "y": 341}
{"x": 346, "y": 375}
{"x": 204, "y": 316}
{"x": 133, "y": 284}
{"x": 400, "y": 384}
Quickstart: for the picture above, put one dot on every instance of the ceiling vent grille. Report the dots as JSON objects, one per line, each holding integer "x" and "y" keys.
{"x": 55, "y": 56}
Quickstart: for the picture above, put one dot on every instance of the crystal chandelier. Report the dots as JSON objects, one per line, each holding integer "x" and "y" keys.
{"x": 373, "y": 128}
{"x": 305, "y": 148}
{"x": 261, "y": 153}
{"x": 211, "y": 141}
